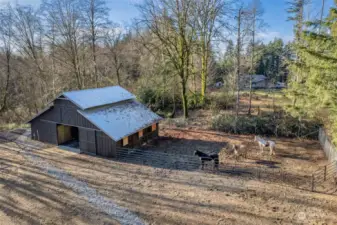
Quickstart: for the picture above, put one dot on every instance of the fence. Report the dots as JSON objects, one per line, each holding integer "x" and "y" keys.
{"x": 325, "y": 173}
{"x": 328, "y": 147}
{"x": 263, "y": 170}
{"x": 158, "y": 159}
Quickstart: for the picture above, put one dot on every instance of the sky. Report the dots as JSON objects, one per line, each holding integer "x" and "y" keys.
{"x": 275, "y": 16}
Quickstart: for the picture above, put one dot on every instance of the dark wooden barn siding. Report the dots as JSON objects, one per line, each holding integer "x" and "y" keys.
{"x": 44, "y": 131}
{"x": 65, "y": 112}
{"x": 87, "y": 140}
{"x": 105, "y": 145}
{"x": 53, "y": 114}
{"x": 69, "y": 115}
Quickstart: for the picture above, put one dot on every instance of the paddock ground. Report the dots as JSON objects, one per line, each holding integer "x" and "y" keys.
{"x": 298, "y": 159}
{"x": 164, "y": 196}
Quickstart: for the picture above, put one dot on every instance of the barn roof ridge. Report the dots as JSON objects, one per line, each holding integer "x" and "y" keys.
{"x": 96, "y": 97}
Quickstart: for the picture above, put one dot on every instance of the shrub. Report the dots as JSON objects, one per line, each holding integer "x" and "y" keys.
{"x": 245, "y": 94}
{"x": 285, "y": 126}
{"x": 194, "y": 101}
{"x": 156, "y": 99}
{"x": 178, "y": 122}
{"x": 244, "y": 125}
{"x": 222, "y": 101}
{"x": 223, "y": 123}
{"x": 146, "y": 96}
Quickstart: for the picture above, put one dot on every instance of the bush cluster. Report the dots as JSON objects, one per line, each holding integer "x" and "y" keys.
{"x": 157, "y": 100}
{"x": 222, "y": 101}
{"x": 284, "y": 126}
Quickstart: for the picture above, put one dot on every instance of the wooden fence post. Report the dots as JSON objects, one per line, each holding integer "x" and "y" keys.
{"x": 259, "y": 173}
{"x": 325, "y": 173}
{"x": 313, "y": 183}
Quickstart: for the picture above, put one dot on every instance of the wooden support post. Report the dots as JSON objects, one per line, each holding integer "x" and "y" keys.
{"x": 313, "y": 183}
{"x": 325, "y": 173}
{"x": 259, "y": 173}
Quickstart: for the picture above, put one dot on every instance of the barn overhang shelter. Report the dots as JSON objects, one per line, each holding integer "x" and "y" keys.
{"x": 97, "y": 121}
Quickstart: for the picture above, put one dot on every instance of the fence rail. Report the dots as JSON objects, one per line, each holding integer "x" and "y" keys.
{"x": 246, "y": 170}
{"x": 329, "y": 149}
{"x": 327, "y": 173}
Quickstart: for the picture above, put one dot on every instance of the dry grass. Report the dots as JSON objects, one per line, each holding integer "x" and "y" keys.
{"x": 262, "y": 101}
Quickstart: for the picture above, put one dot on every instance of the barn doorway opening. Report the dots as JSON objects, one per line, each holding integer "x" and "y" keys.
{"x": 67, "y": 136}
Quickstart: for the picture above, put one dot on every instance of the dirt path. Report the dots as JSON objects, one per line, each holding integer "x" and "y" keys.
{"x": 122, "y": 215}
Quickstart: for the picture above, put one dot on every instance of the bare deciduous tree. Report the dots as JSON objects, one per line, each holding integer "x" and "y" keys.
{"x": 209, "y": 16}
{"x": 28, "y": 36}
{"x": 6, "y": 39}
{"x": 113, "y": 42}
{"x": 170, "y": 22}
{"x": 95, "y": 14}
{"x": 65, "y": 17}
{"x": 255, "y": 12}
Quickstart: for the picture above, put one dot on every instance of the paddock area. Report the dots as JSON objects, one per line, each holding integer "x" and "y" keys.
{"x": 294, "y": 163}
{"x": 31, "y": 192}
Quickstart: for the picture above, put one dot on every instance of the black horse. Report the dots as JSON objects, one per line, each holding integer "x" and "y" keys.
{"x": 206, "y": 158}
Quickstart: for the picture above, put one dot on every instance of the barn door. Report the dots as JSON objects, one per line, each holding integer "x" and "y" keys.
{"x": 88, "y": 141}
{"x": 105, "y": 146}
{"x": 63, "y": 134}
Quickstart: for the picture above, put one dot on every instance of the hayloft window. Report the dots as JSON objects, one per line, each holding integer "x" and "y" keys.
{"x": 154, "y": 127}
{"x": 125, "y": 141}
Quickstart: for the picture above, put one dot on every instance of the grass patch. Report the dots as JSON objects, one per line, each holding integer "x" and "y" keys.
{"x": 12, "y": 126}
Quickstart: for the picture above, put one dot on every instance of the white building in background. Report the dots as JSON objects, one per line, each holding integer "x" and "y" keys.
{"x": 258, "y": 81}
{"x": 219, "y": 84}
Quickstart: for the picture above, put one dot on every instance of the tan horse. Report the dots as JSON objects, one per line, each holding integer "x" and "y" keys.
{"x": 239, "y": 150}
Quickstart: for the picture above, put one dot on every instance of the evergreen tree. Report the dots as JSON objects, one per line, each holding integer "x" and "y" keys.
{"x": 270, "y": 61}
{"x": 296, "y": 14}
{"x": 316, "y": 92}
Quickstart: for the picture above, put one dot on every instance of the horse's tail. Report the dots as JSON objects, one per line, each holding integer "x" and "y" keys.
{"x": 216, "y": 162}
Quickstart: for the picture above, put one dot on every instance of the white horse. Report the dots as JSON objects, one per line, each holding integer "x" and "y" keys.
{"x": 263, "y": 143}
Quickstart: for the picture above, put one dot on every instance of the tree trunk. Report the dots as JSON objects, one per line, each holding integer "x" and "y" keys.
{"x": 252, "y": 70}
{"x": 321, "y": 18}
{"x": 95, "y": 63}
{"x": 238, "y": 58}
{"x": 4, "y": 101}
{"x": 184, "y": 98}
{"x": 118, "y": 77}
{"x": 117, "y": 67}
{"x": 203, "y": 73}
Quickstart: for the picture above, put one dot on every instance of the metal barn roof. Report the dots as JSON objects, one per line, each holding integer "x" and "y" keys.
{"x": 90, "y": 98}
{"x": 121, "y": 119}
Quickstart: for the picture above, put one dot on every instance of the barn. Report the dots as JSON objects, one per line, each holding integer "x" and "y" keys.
{"x": 96, "y": 121}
